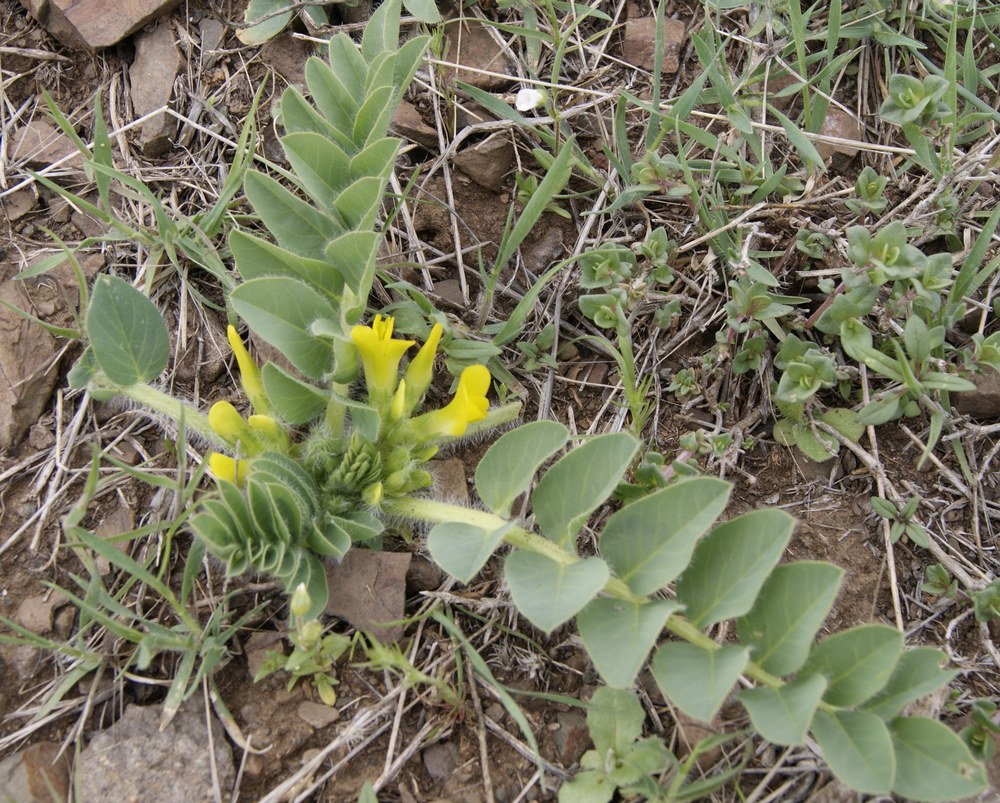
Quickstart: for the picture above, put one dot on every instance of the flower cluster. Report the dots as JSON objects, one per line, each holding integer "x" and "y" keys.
{"x": 360, "y": 466}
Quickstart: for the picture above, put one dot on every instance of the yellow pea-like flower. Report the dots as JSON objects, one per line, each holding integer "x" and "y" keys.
{"x": 380, "y": 356}
{"x": 469, "y": 404}
{"x": 253, "y": 385}
{"x": 225, "y": 468}
{"x": 270, "y": 430}
{"x": 228, "y": 424}
{"x": 420, "y": 370}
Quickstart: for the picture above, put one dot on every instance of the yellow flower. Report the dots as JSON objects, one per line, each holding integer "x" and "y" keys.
{"x": 380, "y": 356}
{"x": 269, "y": 429}
{"x": 398, "y": 408}
{"x": 253, "y": 386}
{"x": 225, "y": 468}
{"x": 229, "y": 425}
{"x": 470, "y": 404}
{"x": 420, "y": 370}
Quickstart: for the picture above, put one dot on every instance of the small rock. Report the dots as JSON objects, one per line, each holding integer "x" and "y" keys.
{"x": 451, "y": 481}
{"x": 25, "y": 659}
{"x": 640, "y": 43}
{"x": 151, "y": 77}
{"x": 983, "y": 403}
{"x": 134, "y": 760}
{"x": 93, "y": 24}
{"x": 64, "y": 621}
{"x": 543, "y": 250}
{"x": 35, "y": 613}
{"x": 440, "y": 760}
{"x": 41, "y": 438}
{"x": 449, "y": 291}
{"x": 368, "y": 589}
{"x": 473, "y": 48}
{"x": 487, "y": 162}
{"x": 317, "y": 714}
{"x": 37, "y": 774}
{"x": 28, "y": 364}
{"x": 287, "y": 56}
{"x": 16, "y": 205}
{"x": 407, "y": 123}
{"x": 39, "y": 144}
{"x": 838, "y": 123}
{"x": 212, "y": 32}
{"x": 423, "y": 575}
{"x": 573, "y": 737}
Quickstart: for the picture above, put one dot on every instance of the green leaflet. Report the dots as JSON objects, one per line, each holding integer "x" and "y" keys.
{"x": 126, "y": 332}
{"x": 619, "y": 635}
{"x": 549, "y": 594}
{"x": 698, "y": 680}
{"x": 731, "y": 564}
{"x": 509, "y": 465}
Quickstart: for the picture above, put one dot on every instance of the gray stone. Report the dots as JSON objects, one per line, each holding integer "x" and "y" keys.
{"x": 37, "y": 774}
{"x": 95, "y": 24}
{"x": 157, "y": 63}
{"x": 640, "y": 44}
{"x": 440, "y": 760}
{"x": 487, "y": 162}
{"x": 35, "y": 613}
{"x": 212, "y": 32}
{"x": 134, "y": 760}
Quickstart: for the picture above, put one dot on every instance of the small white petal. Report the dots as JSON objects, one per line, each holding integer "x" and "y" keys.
{"x": 528, "y": 99}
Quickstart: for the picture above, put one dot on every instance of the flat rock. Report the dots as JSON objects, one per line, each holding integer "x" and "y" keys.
{"x": 317, "y": 714}
{"x": 39, "y": 144}
{"x": 407, "y": 123}
{"x": 983, "y": 403}
{"x": 16, "y": 205}
{"x": 838, "y": 123}
{"x": 35, "y": 613}
{"x": 95, "y": 24}
{"x": 157, "y": 63}
{"x": 28, "y": 359}
{"x": 37, "y": 774}
{"x": 640, "y": 44}
{"x": 212, "y": 32}
{"x": 478, "y": 54}
{"x": 134, "y": 760}
{"x": 487, "y": 162}
{"x": 368, "y": 589}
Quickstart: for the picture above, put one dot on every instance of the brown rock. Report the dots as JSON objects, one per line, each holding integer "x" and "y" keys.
{"x": 449, "y": 291}
{"x": 640, "y": 43}
{"x": 440, "y": 760}
{"x": 983, "y": 402}
{"x": 287, "y": 56}
{"x": 573, "y": 737}
{"x": 28, "y": 364}
{"x": 317, "y": 714}
{"x": 473, "y": 48}
{"x": 450, "y": 480}
{"x": 407, "y": 123}
{"x": 39, "y": 144}
{"x": 487, "y": 162}
{"x": 423, "y": 575}
{"x": 16, "y": 205}
{"x": 95, "y": 24}
{"x": 151, "y": 77}
{"x": 35, "y": 613}
{"x": 38, "y": 774}
{"x": 368, "y": 589}
{"x": 838, "y": 123}
{"x": 212, "y": 32}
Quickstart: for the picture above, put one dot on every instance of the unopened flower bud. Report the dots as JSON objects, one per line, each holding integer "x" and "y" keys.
{"x": 300, "y": 601}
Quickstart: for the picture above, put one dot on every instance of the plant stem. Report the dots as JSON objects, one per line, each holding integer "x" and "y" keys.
{"x": 175, "y": 409}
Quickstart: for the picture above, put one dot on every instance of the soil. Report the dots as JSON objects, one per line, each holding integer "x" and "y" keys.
{"x": 44, "y": 474}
